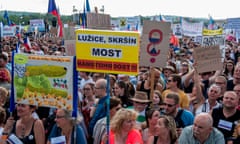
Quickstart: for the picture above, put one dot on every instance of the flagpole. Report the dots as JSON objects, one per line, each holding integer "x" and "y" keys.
{"x": 0, "y": 38}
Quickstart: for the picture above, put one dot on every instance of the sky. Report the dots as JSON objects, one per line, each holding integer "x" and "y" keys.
{"x": 218, "y": 9}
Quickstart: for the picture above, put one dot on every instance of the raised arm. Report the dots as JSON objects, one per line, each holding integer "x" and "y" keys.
{"x": 188, "y": 77}
{"x": 197, "y": 84}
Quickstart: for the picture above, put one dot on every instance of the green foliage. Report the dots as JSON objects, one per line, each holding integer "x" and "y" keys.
{"x": 24, "y": 17}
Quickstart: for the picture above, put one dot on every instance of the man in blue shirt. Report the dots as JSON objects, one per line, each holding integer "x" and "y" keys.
{"x": 100, "y": 112}
{"x": 182, "y": 117}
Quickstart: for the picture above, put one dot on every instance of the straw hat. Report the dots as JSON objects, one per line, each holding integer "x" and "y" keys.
{"x": 140, "y": 97}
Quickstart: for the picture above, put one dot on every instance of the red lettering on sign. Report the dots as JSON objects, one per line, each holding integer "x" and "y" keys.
{"x": 103, "y": 65}
{"x": 121, "y": 67}
{"x": 87, "y": 64}
{"x": 134, "y": 67}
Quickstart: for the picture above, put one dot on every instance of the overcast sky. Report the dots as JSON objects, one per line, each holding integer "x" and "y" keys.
{"x": 218, "y": 9}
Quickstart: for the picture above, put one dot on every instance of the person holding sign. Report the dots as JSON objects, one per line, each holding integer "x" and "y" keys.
{"x": 65, "y": 130}
{"x": 27, "y": 129}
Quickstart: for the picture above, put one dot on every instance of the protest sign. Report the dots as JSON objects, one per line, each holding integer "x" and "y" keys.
{"x": 98, "y": 21}
{"x": 44, "y": 80}
{"x": 107, "y": 51}
{"x": 70, "y": 47}
{"x": 208, "y": 58}
{"x": 154, "y": 43}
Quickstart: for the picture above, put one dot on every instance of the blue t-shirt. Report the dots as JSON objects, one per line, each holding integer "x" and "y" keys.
{"x": 187, "y": 118}
{"x": 99, "y": 113}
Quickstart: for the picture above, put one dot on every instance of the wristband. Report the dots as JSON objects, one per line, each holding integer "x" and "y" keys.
{"x": 4, "y": 133}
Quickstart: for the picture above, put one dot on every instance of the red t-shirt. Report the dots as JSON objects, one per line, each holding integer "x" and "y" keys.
{"x": 134, "y": 137}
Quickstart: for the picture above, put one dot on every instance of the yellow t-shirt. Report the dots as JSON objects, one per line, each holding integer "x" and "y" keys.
{"x": 183, "y": 98}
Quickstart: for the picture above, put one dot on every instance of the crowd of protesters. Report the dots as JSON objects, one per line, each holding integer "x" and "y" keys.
{"x": 183, "y": 105}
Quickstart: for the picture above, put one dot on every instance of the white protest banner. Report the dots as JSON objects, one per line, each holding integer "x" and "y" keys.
{"x": 39, "y": 23}
{"x": 9, "y": 31}
{"x": 192, "y": 29}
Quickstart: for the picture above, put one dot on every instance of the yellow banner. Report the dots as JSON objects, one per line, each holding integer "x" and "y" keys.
{"x": 207, "y": 32}
{"x": 107, "y": 51}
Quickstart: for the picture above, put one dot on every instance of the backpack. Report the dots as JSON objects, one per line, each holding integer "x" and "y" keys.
{"x": 178, "y": 120}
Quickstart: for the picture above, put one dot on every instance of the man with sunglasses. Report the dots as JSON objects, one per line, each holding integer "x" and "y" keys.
{"x": 174, "y": 85}
{"x": 182, "y": 117}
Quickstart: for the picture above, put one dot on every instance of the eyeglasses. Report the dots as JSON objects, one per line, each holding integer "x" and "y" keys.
{"x": 218, "y": 83}
{"x": 118, "y": 108}
{"x": 59, "y": 117}
{"x": 87, "y": 89}
{"x": 185, "y": 65}
{"x": 214, "y": 91}
{"x": 98, "y": 88}
{"x": 169, "y": 105}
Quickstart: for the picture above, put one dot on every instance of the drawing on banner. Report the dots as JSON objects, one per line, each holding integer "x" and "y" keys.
{"x": 154, "y": 43}
{"x": 43, "y": 80}
{"x": 155, "y": 38}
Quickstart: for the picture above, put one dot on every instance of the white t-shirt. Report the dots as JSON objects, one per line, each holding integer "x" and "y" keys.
{"x": 1, "y": 130}
{"x": 205, "y": 107}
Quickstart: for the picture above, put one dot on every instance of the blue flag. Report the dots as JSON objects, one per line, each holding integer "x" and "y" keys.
{"x": 5, "y": 15}
{"x": 88, "y": 6}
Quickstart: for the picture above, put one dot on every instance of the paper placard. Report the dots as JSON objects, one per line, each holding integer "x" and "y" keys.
{"x": 58, "y": 140}
{"x": 154, "y": 43}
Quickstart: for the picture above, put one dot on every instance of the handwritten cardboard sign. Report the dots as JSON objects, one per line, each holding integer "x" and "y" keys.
{"x": 208, "y": 58}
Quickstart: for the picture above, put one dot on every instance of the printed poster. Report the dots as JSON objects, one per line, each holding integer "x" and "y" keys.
{"x": 43, "y": 80}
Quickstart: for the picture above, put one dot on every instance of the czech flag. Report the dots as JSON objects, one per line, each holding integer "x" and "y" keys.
{"x": 211, "y": 23}
{"x": 27, "y": 44}
{"x": 53, "y": 10}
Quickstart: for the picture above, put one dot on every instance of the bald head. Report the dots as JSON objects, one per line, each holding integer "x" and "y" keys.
{"x": 205, "y": 118}
{"x": 203, "y": 126}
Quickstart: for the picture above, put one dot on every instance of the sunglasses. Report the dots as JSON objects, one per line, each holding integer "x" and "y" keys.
{"x": 169, "y": 105}
{"x": 139, "y": 102}
{"x": 21, "y": 105}
{"x": 59, "y": 117}
{"x": 169, "y": 81}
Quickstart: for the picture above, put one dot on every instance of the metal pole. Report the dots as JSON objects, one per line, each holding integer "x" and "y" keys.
{"x": 1, "y": 37}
